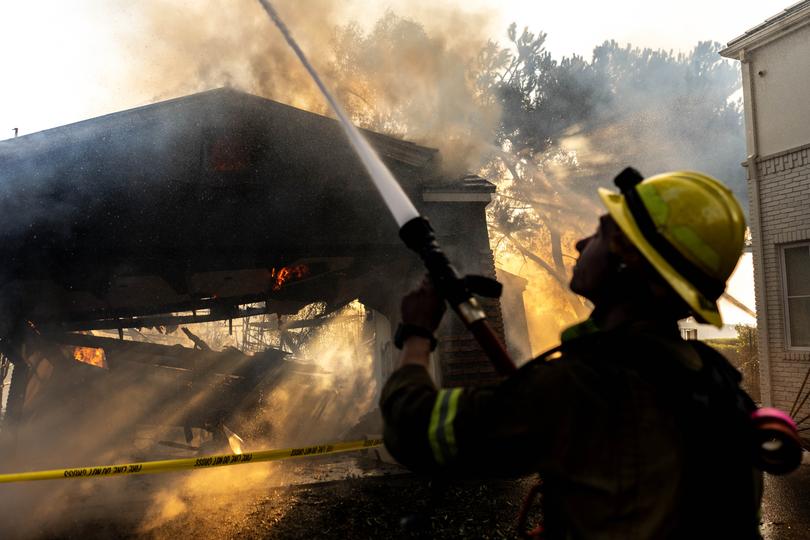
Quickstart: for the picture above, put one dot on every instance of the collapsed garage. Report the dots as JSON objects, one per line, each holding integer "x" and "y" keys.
{"x": 121, "y": 235}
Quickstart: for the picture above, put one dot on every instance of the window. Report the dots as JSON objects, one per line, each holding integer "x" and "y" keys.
{"x": 797, "y": 294}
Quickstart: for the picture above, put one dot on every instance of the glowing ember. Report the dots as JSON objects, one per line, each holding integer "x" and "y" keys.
{"x": 286, "y": 274}
{"x": 90, "y": 355}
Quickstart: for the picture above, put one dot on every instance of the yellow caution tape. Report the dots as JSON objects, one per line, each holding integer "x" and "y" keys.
{"x": 205, "y": 462}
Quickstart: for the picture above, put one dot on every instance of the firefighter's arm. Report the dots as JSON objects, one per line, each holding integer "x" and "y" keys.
{"x": 510, "y": 428}
{"x": 415, "y": 351}
{"x": 490, "y": 429}
{"x": 406, "y": 403}
{"x": 408, "y": 396}
{"x": 421, "y": 310}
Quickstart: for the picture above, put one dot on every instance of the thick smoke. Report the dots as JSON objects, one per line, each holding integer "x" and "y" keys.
{"x": 177, "y": 49}
{"x": 424, "y": 82}
{"x": 292, "y": 416}
{"x": 320, "y": 401}
{"x": 571, "y": 125}
{"x": 398, "y": 77}
{"x": 432, "y": 77}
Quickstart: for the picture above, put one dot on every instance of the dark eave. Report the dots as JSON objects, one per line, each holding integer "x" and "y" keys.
{"x": 470, "y": 188}
{"x": 389, "y": 147}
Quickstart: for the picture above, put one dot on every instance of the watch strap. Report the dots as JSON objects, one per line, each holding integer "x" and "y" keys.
{"x": 404, "y": 331}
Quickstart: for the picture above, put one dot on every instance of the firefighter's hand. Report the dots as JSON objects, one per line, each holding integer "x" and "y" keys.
{"x": 423, "y": 307}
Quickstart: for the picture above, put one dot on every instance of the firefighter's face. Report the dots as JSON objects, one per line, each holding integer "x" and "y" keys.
{"x": 596, "y": 263}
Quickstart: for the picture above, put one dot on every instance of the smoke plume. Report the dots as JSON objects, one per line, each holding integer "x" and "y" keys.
{"x": 429, "y": 78}
{"x": 134, "y": 423}
{"x": 398, "y": 77}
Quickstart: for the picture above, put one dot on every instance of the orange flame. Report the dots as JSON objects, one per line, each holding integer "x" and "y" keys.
{"x": 90, "y": 355}
{"x": 285, "y": 274}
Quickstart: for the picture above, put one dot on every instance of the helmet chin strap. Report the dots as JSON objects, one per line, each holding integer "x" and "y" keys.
{"x": 633, "y": 278}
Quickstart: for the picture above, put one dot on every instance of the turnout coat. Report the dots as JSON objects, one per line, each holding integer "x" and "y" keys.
{"x": 635, "y": 432}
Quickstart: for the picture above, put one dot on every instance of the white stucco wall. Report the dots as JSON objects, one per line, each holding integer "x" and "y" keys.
{"x": 781, "y": 79}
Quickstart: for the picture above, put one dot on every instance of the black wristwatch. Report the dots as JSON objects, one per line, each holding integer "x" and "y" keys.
{"x": 404, "y": 331}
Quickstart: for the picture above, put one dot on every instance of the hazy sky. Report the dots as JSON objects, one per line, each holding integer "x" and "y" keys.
{"x": 62, "y": 60}
{"x": 575, "y": 26}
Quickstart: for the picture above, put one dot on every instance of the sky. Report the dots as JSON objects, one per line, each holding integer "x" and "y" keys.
{"x": 671, "y": 24}
{"x": 65, "y": 61}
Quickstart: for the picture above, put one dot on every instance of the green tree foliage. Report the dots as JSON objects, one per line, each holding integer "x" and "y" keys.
{"x": 748, "y": 353}
{"x": 547, "y": 131}
{"x": 569, "y": 126}
{"x": 742, "y": 353}
{"x": 398, "y": 79}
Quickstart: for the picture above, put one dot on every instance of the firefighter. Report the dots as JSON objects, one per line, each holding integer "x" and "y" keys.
{"x": 635, "y": 432}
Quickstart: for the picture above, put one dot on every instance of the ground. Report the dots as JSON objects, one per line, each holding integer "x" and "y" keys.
{"x": 388, "y": 506}
{"x": 786, "y": 506}
{"x": 382, "y": 503}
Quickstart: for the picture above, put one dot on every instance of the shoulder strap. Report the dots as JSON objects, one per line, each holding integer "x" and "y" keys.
{"x": 723, "y": 378}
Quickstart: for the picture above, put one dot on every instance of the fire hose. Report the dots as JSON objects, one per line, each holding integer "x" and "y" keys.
{"x": 414, "y": 229}
{"x": 776, "y": 438}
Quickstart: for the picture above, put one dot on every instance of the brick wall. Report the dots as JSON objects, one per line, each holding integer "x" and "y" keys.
{"x": 463, "y": 363}
{"x": 464, "y": 236}
{"x": 784, "y": 184}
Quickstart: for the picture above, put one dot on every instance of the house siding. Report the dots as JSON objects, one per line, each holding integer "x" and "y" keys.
{"x": 784, "y": 185}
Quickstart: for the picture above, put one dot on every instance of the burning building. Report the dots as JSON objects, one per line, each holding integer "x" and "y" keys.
{"x": 211, "y": 207}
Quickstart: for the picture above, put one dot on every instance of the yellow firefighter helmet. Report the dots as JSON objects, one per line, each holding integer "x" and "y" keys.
{"x": 688, "y": 225}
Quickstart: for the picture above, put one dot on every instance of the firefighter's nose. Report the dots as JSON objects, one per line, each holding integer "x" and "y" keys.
{"x": 582, "y": 244}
